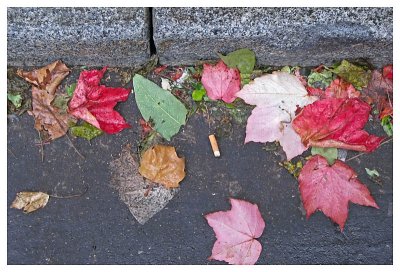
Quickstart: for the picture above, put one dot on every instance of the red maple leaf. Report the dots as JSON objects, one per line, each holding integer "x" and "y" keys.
{"x": 330, "y": 188}
{"x": 95, "y": 103}
{"x": 220, "y": 81}
{"x": 336, "y": 122}
{"x": 236, "y": 231}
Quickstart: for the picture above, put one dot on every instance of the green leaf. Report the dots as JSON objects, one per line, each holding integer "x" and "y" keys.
{"x": 330, "y": 153}
{"x": 387, "y": 125}
{"x": 286, "y": 69}
{"x": 243, "y": 59}
{"x": 61, "y": 102}
{"x": 70, "y": 89}
{"x": 320, "y": 80}
{"x": 198, "y": 94}
{"x": 15, "y": 99}
{"x": 166, "y": 111}
{"x": 372, "y": 173}
{"x": 86, "y": 131}
{"x": 353, "y": 74}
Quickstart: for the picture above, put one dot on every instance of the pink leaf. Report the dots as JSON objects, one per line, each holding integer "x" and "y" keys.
{"x": 236, "y": 231}
{"x": 221, "y": 82}
{"x": 95, "y": 103}
{"x": 336, "y": 122}
{"x": 330, "y": 188}
{"x": 277, "y": 97}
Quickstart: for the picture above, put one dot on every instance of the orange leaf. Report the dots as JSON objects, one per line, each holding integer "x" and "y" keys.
{"x": 162, "y": 165}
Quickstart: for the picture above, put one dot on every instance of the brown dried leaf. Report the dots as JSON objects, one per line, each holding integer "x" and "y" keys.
{"x": 161, "y": 164}
{"x": 48, "y": 118}
{"x": 143, "y": 198}
{"x": 30, "y": 201}
{"x": 48, "y": 77}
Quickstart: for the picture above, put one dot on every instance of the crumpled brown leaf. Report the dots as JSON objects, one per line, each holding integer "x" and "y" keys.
{"x": 143, "y": 198}
{"x": 161, "y": 164}
{"x": 30, "y": 201}
{"x": 48, "y": 119}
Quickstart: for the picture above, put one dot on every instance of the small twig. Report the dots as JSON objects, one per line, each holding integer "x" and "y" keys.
{"x": 71, "y": 196}
{"x": 73, "y": 146}
{"x": 208, "y": 120}
{"x": 12, "y": 153}
{"x": 358, "y": 155}
{"x": 41, "y": 146}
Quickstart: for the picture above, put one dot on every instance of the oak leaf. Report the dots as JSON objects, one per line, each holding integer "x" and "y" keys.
{"x": 336, "y": 122}
{"x": 277, "y": 97}
{"x": 95, "y": 103}
{"x": 162, "y": 165}
{"x": 236, "y": 231}
{"x": 48, "y": 119}
{"x": 220, "y": 81}
{"x": 30, "y": 201}
{"x": 330, "y": 188}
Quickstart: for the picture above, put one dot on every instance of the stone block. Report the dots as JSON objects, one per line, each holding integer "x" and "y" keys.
{"x": 279, "y": 36}
{"x": 78, "y": 36}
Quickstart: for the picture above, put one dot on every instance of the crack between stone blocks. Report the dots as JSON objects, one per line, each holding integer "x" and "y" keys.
{"x": 153, "y": 49}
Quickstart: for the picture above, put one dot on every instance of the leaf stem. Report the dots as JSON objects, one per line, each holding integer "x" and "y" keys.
{"x": 71, "y": 196}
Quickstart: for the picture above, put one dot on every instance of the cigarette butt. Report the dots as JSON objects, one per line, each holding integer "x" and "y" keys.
{"x": 214, "y": 145}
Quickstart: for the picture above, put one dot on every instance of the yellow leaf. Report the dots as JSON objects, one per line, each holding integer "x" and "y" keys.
{"x": 30, "y": 201}
{"x": 161, "y": 164}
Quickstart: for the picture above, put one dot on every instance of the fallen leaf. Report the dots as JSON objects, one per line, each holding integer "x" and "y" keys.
{"x": 162, "y": 165}
{"x": 198, "y": 93}
{"x": 15, "y": 99}
{"x": 30, "y": 201}
{"x": 86, "y": 131}
{"x": 277, "y": 96}
{"x": 160, "y": 69}
{"x": 70, "y": 89}
{"x": 329, "y": 153}
{"x": 387, "y": 125}
{"x": 293, "y": 168}
{"x": 353, "y": 74}
{"x": 143, "y": 198}
{"x": 221, "y": 82}
{"x": 330, "y": 188}
{"x": 48, "y": 119}
{"x": 61, "y": 102}
{"x": 315, "y": 92}
{"x": 146, "y": 127}
{"x": 236, "y": 231}
{"x": 48, "y": 77}
{"x": 320, "y": 79}
{"x": 18, "y": 93}
{"x": 380, "y": 93}
{"x": 339, "y": 88}
{"x": 95, "y": 103}
{"x": 336, "y": 122}
{"x": 166, "y": 112}
{"x": 388, "y": 72}
{"x": 243, "y": 59}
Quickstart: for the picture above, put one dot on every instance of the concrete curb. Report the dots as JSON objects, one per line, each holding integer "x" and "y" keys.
{"x": 124, "y": 36}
